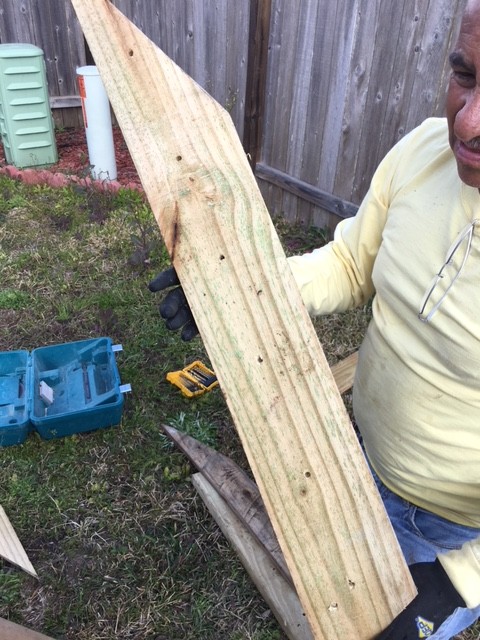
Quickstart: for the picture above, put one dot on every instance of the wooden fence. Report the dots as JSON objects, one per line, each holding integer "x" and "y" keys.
{"x": 346, "y": 80}
{"x": 318, "y": 90}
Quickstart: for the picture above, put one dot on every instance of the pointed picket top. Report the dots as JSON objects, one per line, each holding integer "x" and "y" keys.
{"x": 11, "y": 549}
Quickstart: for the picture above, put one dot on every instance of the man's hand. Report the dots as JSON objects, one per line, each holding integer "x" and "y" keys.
{"x": 437, "y": 599}
{"x": 174, "y": 307}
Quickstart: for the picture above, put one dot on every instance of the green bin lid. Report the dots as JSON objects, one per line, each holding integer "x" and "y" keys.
{"x": 19, "y": 50}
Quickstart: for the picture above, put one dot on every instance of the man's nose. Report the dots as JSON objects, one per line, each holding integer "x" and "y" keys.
{"x": 467, "y": 120}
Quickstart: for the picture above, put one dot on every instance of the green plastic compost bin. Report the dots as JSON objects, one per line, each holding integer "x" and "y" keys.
{"x": 26, "y": 124}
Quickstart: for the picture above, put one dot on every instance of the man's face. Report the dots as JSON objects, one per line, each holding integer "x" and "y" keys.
{"x": 463, "y": 98}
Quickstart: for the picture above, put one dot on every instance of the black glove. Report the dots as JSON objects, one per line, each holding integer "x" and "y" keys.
{"x": 437, "y": 599}
{"x": 174, "y": 307}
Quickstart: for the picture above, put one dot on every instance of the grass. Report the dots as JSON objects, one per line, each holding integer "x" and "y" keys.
{"x": 123, "y": 546}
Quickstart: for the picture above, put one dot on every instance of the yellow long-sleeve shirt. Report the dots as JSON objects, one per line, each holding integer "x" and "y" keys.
{"x": 417, "y": 387}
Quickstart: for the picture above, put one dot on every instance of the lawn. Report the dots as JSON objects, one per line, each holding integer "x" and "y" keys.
{"x": 123, "y": 546}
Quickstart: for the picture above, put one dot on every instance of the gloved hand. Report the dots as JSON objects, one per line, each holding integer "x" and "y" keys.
{"x": 174, "y": 308}
{"x": 437, "y": 599}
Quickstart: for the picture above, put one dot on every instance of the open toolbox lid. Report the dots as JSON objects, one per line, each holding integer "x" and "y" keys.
{"x": 59, "y": 390}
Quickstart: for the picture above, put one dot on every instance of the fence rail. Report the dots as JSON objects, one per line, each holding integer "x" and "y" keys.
{"x": 318, "y": 90}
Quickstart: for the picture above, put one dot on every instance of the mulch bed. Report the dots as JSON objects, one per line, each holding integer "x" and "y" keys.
{"x": 73, "y": 164}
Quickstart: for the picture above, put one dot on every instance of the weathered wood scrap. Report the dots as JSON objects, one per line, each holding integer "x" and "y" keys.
{"x": 11, "y": 549}
{"x": 344, "y": 372}
{"x": 277, "y": 592}
{"x": 236, "y": 488}
{"x": 11, "y": 631}
{"x": 346, "y": 565}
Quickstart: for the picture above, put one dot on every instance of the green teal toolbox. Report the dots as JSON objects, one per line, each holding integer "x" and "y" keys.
{"x": 59, "y": 390}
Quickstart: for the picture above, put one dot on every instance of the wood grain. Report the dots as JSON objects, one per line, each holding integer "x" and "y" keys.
{"x": 331, "y": 525}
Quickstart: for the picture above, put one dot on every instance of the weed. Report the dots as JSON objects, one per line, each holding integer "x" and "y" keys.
{"x": 144, "y": 235}
{"x": 10, "y": 589}
{"x": 195, "y": 426}
{"x": 298, "y": 239}
{"x": 11, "y": 299}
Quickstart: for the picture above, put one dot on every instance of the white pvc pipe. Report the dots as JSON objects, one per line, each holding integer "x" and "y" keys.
{"x": 98, "y": 124}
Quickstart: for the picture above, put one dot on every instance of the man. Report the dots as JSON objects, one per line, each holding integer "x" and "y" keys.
{"x": 414, "y": 247}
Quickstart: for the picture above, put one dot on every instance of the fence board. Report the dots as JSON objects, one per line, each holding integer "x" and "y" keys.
{"x": 259, "y": 31}
{"x": 438, "y": 37}
{"x": 365, "y": 121}
{"x": 16, "y": 23}
{"x": 328, "y": 92}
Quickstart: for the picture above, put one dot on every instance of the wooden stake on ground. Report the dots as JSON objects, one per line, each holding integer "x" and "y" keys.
{"x": 347, "y": 567}
{"x": 11, "y": 631}
{"x": 236, "y": 488}
{"x": 277, "y": 592}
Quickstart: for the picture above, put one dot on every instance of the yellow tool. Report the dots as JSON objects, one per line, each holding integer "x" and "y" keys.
{"x": 194, "y": 380}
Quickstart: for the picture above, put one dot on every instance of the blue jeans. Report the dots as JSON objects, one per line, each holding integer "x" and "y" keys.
{"x": 422, "y": 536}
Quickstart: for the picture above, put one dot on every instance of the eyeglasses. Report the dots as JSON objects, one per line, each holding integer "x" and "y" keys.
{"x": 448, "y": 273}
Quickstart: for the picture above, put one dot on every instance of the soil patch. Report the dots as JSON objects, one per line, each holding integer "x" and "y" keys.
{"x": 73, "y": 163}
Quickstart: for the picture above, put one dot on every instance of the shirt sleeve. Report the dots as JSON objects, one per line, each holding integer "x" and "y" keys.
{"x": 463, "y": 569}
{"x": 338, "y": 276}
